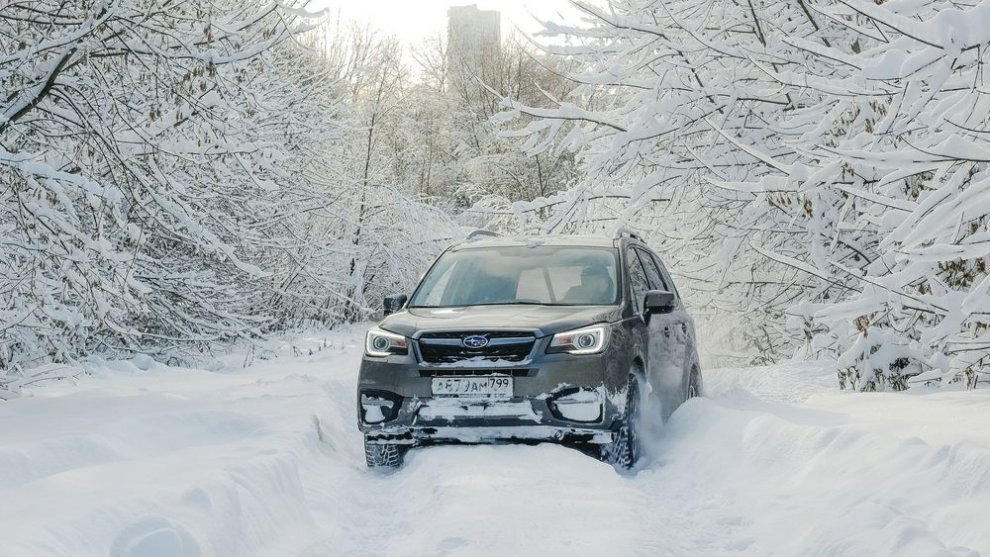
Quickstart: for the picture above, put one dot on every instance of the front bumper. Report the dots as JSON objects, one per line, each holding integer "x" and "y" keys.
{"x": 423, "y": 421}
{"x": 559, "y": 398}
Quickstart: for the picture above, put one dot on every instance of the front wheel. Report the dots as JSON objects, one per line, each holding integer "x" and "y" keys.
{"x": 623, "y": 451}
{"x": 383, "y": 455}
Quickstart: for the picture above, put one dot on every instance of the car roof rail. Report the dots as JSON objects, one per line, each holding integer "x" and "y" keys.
{"x": 481, "y": 233}
{"x": 623, "y": 231}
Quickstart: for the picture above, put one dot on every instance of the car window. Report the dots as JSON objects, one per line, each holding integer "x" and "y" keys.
{"x": 438, "y": 286}
{"x": 548, "y": 283}
{"x": 652, "y": 271}
{"x": 665, "y": 274}
{"x": 532, "y": 274}
{"x": 638, "y": 283}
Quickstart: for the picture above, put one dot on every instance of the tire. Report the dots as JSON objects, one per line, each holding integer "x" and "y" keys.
{"x": 383, "y": 455}
{"x": 695, "y": 387}
{"x": 623, "y": 451}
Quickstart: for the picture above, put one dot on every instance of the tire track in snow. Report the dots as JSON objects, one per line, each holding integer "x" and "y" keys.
{"x": 735, "y": 474}
{"x": 268, "y": 462}
{"x": 492, "y": 500}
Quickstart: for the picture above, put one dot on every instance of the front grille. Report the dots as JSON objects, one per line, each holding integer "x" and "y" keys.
{"x": 448, "y": 348}
{"x": 461, "y": 372}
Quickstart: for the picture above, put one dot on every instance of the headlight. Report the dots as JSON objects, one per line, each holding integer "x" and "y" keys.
{"x": 589, "y": 340}
{"x": 384, "y": 343}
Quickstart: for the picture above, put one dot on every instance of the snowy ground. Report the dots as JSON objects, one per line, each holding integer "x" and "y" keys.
{"x": 267, "y": 461}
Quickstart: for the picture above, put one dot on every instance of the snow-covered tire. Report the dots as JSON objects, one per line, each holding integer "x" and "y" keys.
{"x": 383, "y": 455}
{"x": 623, "y": 451}
{"x": 695, "y": 386}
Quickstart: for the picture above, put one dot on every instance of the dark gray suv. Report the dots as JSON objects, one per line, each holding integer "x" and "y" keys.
{"x": 562, "y": 339}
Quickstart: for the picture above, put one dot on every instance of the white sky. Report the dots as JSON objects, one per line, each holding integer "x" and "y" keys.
{"x": 413, "y": 20}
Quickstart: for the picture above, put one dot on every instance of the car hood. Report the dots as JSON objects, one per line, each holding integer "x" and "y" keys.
{"x": 543, "y": 320}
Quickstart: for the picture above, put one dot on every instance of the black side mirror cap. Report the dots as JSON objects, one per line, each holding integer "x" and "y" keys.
{"x": 393, "y": 304}
{"x": 659, "y": 301}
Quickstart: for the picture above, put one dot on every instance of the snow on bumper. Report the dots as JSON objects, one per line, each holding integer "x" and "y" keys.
{"x": 489, "y": 434}
{"x": 555, "y": 397}
{"x": 570, "y": 414}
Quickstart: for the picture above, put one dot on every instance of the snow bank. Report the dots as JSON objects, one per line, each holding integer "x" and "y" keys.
{"x": 170, "y": 462}
{"x": 267, "y": 461}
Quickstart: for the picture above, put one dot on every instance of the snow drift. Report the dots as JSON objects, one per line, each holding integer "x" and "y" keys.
{"x": 267, "y": 461}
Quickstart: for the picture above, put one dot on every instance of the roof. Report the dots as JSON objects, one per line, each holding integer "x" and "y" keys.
{"x": 523, "y": 241}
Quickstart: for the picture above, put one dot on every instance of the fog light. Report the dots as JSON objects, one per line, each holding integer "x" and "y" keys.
{"x": 577, "y": 405}
{"x": 376, "y": 409}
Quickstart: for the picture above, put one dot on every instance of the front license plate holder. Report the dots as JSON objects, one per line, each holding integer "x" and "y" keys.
{"x": 490, "y": 386}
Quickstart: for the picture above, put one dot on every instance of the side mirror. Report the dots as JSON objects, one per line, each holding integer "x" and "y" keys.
{"x": 659, "y": 301}
{"x": 393, "y": 304}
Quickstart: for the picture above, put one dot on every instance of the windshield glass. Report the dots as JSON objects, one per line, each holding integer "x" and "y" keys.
{"x": 545, "y": 275}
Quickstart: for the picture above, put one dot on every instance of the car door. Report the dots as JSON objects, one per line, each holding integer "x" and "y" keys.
{"x": 686, "y": 319}
{"x": 669, "y": 340}
{"x": 638, "y": 287}
{"x": 639, "y": 284}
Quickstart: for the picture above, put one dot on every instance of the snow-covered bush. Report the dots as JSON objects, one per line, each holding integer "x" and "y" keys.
{"x": 913, "y": 154}
{"x": 136, "y": 157}
{"x": 176, "y": 175}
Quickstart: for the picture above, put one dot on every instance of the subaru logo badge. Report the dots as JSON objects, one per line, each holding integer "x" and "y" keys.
{"x": 475, "y": 341}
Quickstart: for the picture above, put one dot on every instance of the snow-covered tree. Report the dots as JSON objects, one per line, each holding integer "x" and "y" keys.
{"x": 162, "y": 169}
{"x": 444, "y": 134}
{"x": 354, "y": 229}
{"x": 674, "y": 108}
{"x": 136, "y": 154}
{"x": 811, "y": 169}
{"x": 905, "y": 132}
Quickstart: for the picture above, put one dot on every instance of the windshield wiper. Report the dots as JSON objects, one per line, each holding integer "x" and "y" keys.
{"x": 521, "y": 303}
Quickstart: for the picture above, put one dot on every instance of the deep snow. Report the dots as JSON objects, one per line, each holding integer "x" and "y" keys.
{"x": 267, "y": 461}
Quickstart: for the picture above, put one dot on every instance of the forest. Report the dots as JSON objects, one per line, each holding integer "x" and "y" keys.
{"x": 180, "y": 177}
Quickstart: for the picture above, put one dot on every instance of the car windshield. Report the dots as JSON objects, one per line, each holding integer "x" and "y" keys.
{"x": 540, "y": 274}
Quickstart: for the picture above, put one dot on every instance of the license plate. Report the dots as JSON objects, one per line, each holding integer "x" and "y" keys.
{"x": 496, "y": 387}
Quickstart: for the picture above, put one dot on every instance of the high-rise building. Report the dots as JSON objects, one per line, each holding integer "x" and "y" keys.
{"x": 473, "y": 36}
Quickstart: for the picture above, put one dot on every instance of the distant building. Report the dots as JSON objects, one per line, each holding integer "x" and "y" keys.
{"x": 473, "y": 36}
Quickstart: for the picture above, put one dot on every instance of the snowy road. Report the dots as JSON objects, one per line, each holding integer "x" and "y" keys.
{"x": 267, "y": 461}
